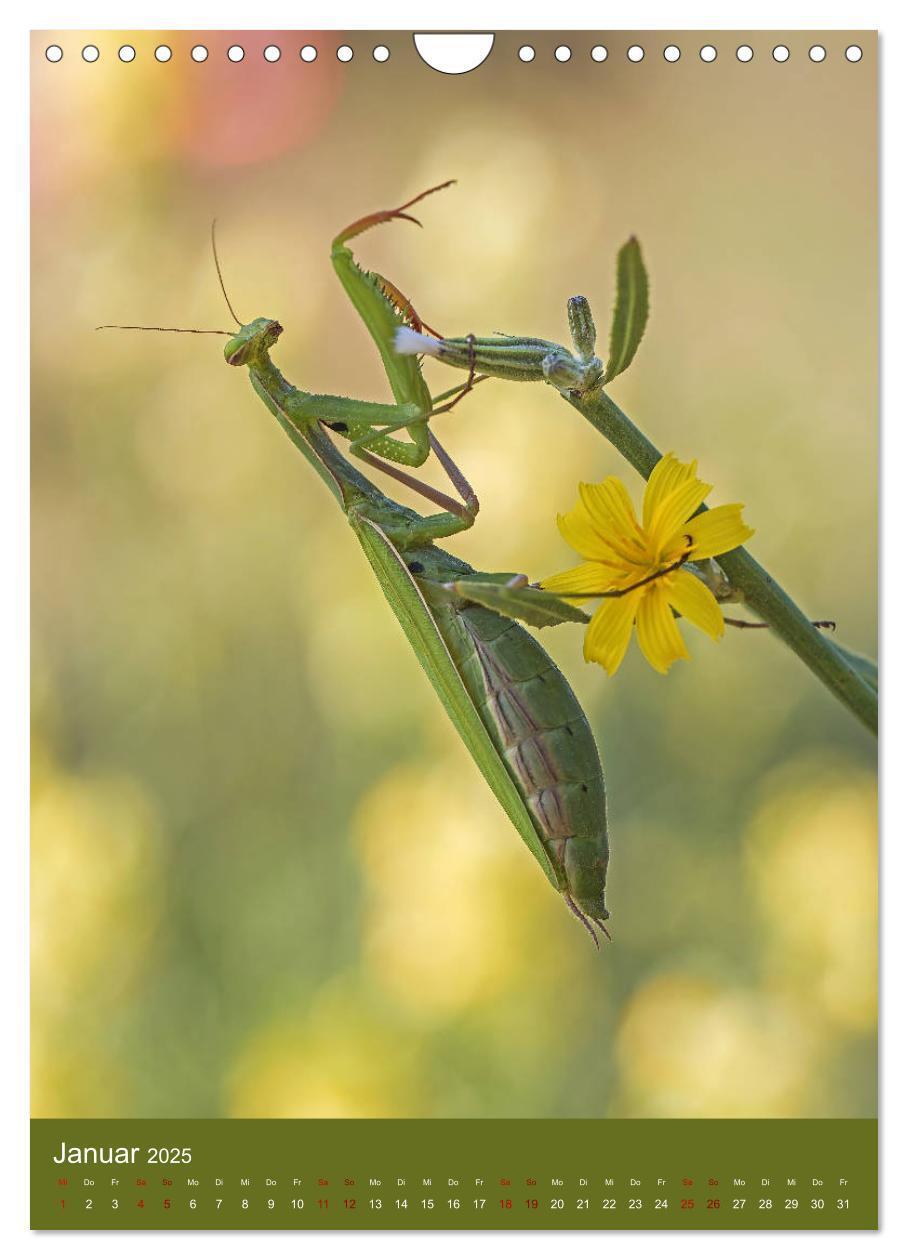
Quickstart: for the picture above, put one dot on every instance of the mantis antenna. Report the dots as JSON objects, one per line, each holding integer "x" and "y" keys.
{"x": 217, "y": 265}
{"x": 215, "y": 332}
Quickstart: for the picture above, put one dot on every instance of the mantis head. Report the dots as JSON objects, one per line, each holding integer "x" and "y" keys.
{"x": 252, "y": 341}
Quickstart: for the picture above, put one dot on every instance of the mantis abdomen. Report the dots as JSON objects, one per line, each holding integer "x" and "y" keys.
{"x": 536, "y": 723}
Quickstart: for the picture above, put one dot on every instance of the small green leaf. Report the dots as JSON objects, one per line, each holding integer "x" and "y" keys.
{"x": 631, "y": 309}
{"x": 527, "y": 603}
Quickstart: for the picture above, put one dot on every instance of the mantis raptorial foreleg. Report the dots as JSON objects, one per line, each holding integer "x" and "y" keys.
{"x": 367, "y": 425}
{"x": 384, "y": 310}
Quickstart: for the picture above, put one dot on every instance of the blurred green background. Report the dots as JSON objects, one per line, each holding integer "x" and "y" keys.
{"x": 268, "y": 881}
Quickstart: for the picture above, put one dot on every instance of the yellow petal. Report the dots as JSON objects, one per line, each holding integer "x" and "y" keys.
{"x": 716, "y": 531}
{"x": 609, "y": 633}
{"x": 675, "y": 510}
{"x": 693, "y": 600}
{"x": 668, "y": 474}
{"x": 610, "y": 507}
{"x": 578, "y": 531}
{"x": 657, "y": 631}
{"x": 591, "y": 576}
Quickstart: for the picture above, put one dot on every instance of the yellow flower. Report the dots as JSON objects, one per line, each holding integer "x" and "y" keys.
{"x": 620, "y": 554}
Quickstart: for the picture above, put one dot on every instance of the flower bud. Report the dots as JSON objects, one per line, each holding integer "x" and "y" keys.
{"x": 562, "y": 370}
{"x": 583, "y": 330}
{"x": 570, "y": 375}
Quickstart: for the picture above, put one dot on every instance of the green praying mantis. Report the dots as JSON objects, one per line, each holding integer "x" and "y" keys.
{"x": 511, "y": 706}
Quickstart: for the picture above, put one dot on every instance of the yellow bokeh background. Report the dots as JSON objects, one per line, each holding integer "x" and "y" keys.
{"x": 268, "y": 881}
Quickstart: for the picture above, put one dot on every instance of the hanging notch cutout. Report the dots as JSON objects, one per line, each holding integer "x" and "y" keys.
{"x": 453, "y": 53}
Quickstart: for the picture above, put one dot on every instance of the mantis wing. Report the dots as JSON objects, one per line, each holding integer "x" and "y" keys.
{"x": 419, "y": 623}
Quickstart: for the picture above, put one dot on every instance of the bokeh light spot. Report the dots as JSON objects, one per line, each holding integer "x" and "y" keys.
{"x": 690, "y": 1047}
{"x": 813, "y": 863}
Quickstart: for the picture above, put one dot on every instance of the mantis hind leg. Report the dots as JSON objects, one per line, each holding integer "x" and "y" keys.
{"x": 462, "y": 515}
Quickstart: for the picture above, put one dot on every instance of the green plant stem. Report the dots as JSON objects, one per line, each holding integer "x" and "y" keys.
{"x": 758, "y": 590}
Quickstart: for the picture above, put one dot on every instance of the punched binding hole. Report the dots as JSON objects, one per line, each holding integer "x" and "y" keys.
{"x": 308, "y": 53}
{"x": 526, "y": 53}
{"x": 562, "y": 53}
{"x": 854, "y": 52}
{"x": 126, "y": 53}
{"x": 345, "y": 53}
{"x": 817, "y": 53}
{"x": 671, "y": 52}
{"x": 272, "y": 53}
{"x": 708, "y": 53}
{"x": 236, "y": 52}
{"x": 199, "y": 53}
{"x": 90, "y": 53}
{"x": 780, "y": 53}
{"x": 53, "y": 52}
{"x": 745, "y": 53}
{"x": 635, "y": 53}
{"x": 162, "y": 53}
{"x": 381, "y": 53}
{"x": 599, "y": 52}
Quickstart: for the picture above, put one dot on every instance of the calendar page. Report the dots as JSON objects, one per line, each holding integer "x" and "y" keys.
{"x": 454, "y": 692}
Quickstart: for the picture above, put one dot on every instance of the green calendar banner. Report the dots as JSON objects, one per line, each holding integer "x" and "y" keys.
{"x": 454, "y": 468}
{"x": 454, "y": 1174}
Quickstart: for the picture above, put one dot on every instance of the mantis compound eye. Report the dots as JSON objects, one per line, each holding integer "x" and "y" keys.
{"x": 251, "y": 340}
{"x": 236, "y": 351}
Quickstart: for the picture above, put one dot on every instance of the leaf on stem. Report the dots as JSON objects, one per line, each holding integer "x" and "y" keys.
{"x": 526, "y": 603}
{"x": 631, "y": 309}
